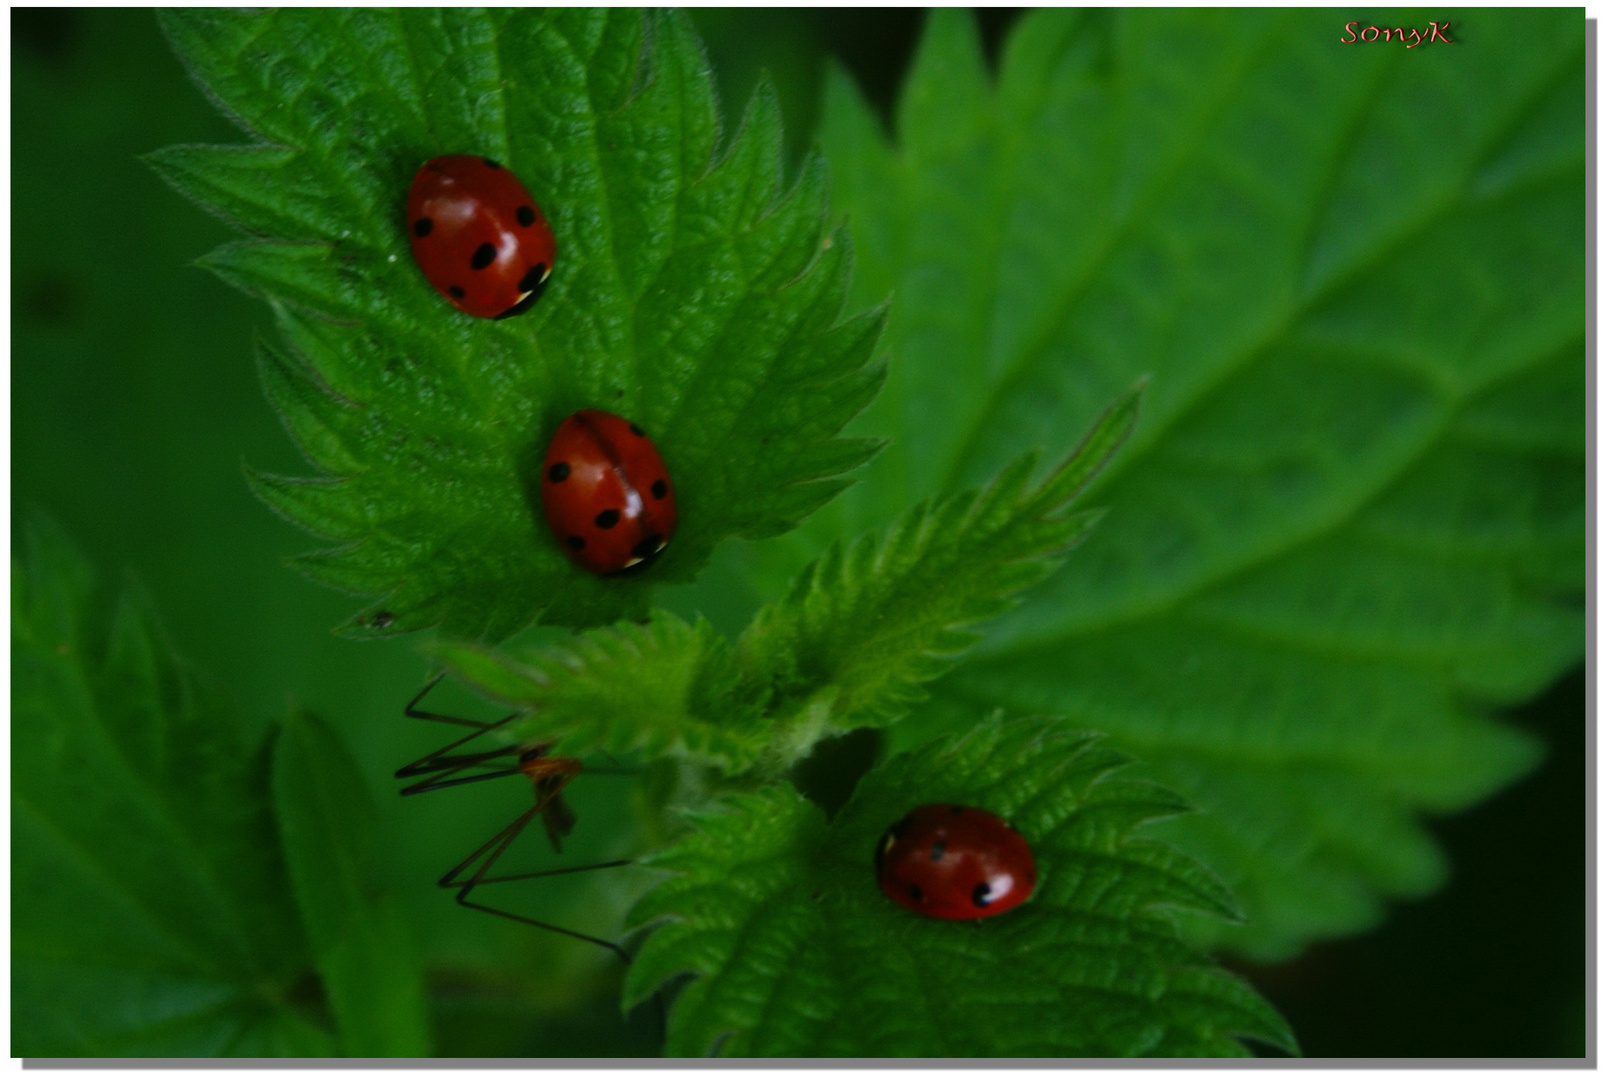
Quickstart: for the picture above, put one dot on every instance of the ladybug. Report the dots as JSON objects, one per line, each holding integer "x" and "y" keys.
{"x": 955, "y": 862}
{"x": 478, "y": 236}
{"x": 607, "y": 495}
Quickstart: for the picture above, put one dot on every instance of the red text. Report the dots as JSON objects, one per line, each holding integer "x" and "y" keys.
{"x": 1410, "y": 37}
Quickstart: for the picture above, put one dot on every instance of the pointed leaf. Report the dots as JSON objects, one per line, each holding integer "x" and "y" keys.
{"x": 795, "y": 951}
{"x": 151, "y": 913}
{"x": 694, "y": 293}
{"x": 1353, "y": 518}
{"x": 852, "y": 644}
{"x": 876, "y": 621}
{"x": 662, "y": 688}
{"x": 361, "y": 943}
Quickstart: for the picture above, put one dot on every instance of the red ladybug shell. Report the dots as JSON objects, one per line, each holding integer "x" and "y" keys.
{"x": 478, "y": 236}
{"x": 607, "y": 494}
{"x": 955, "y": 862}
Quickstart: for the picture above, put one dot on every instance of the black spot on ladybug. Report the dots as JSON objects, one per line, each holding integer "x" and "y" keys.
{"x": 915, "y": 892}
{"x": 493, "y": 164}
{"x": 636, "y": 429}
{"x": 483, "y": 256}
{"x": 525, "y": 216}
{"x": 607, "y": 519}
{"x": 382, "y": 619}
{"x": 456, "y": 290}
{"x": 532, "y": 285}
{"x": 957, "y": 809}
{"x": 647, "y": 547}
{"x": 576, "y": 542}
{"x": 982, "y": 894}
{"x": 937, "y": 850}
{"x": 423, "y": 226}
{"x": 558, "y": 472}
{"x": 659, "y": 489}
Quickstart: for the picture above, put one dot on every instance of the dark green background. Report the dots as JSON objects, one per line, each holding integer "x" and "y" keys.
{"x": 135, "y": 400}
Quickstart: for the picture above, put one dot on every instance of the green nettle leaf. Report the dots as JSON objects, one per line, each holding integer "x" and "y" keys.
{"x": 1352, "y": 523}
{"x": 692, "y": 292}
{"x": 662, "y": 688}
{"x": 362, "y": 946}
{"x": 151, "y": 914}
{"x": 795, "y": 951}
{"x": 851, "y": 644}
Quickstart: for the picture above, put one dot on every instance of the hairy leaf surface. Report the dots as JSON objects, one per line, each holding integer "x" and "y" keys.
{"x": 795, "y": 951}
{"x": 662, "y": 688}
{"x": 694, "y": 292}
{"x": 852, "y": 643}
{"x": 1352, "y": 521}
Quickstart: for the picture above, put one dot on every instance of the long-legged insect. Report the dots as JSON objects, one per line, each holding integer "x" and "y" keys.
{"x": 548, "y": 774}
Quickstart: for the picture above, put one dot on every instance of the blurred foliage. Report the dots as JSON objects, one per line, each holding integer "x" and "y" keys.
{"x": 362, "y": 945}
{"x": 135, "y": 400}
{"x": 154, "y": 911}
{"x": 1353, "y": 520}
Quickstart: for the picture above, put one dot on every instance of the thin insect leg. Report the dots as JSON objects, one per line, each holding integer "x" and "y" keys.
{"x": 416, "y": 713}
{"x": 550, "y": 776}
{"x": 440, "y": 759}
{"x": 618, "y": 950}
{"x": 425, "y": 786}
{"x": 437, "y": 761}
{"x": 504, "y": 837}
{"x": 554, "y": 873}
{"x": 496, "y": 846}
{"x": 445, "y": 766}
{"x": 441, "y": 762}
{"x": 452, "y": 762}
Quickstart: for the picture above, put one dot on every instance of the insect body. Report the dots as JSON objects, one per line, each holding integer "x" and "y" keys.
{"x": 955, "y": 862}
{"x": 607, "y": 494}
{"x": 549, "y": 775}
{"x": 478, "y": 236}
